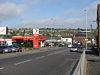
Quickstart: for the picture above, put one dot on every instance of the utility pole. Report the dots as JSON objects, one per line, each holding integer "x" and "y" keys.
{"x": 91, "y": 33}
{"x": 98, "y": 22}
{"x": 86, "y": 26}
{"x": 51, "y": 31}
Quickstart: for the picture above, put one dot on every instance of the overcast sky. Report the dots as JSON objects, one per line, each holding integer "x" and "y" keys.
{"x": 47, "y": 13}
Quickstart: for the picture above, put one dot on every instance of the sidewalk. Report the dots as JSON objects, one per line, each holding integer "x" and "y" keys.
{"x": 93, "y": 63}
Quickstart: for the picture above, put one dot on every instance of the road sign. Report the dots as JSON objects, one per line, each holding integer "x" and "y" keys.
{"x": 36, "y": 38}
{"x": 35, "y": 31}
{"x": 3, "y": 30}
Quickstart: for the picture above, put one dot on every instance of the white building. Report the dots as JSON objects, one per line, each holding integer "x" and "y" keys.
{"x": 67, "y": 40}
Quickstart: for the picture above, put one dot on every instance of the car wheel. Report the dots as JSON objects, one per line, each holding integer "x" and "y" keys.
{"x": 20, "y": 50}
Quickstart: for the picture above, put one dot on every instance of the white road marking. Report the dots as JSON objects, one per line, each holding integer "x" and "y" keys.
{"x": 71, "y": 59}
{"x": 23, "y": 62}
{"x": 40, "y": 57}
{"x": 1, "y": 68}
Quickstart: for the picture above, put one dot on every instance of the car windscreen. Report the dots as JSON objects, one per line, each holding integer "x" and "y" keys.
{"x": 4, "y": 47}
{"x": 73, "y": 47}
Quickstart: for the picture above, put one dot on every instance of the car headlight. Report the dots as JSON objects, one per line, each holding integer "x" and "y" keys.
{"x": 13, "y": 49}
{"x": 5, "y": 49}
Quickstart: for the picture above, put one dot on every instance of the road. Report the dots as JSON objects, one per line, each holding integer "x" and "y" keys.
{"x": 49, "y": 62}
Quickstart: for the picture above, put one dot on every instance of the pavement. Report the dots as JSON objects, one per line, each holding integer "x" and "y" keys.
{"x": 93, "y": 63}
{"x": 53, "y": 61}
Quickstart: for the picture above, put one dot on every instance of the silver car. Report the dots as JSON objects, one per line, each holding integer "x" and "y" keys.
{"x": 74, "y": 49}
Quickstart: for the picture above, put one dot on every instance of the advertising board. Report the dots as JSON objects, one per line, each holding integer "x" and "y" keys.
{"x": 36, "y": 42}
{"x": 35, "y": 31}
{"x": 3, "y": 30}
{"x": 36, "y": 38}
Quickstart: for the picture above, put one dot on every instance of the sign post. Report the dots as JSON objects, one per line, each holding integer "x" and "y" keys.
{"x": 3, "y": 30}
{"x": 36, "y": 38}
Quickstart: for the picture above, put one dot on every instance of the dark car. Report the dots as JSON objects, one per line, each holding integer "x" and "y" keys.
{"x": 19, "y": 49}
{"x": 61, "y": 45}
{"x": 15, "y": 48}
{"x": 81, "y": 47}
{"x": 97, "y": 51}
{"x": 4, "y": 49}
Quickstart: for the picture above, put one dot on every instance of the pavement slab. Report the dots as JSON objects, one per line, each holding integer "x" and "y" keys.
{"x": 93, "y": 63}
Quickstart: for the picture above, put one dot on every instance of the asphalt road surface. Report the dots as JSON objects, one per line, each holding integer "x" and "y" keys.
{"x": 52, "y": 62}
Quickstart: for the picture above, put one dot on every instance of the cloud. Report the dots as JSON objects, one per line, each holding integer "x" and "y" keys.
{"x": 9, "y": 10}
{"x": 35, "y": 2}
{"x": 35, "y": 23}
{"x": 47, "y": 23}
{"x": 92, "y": 11}
{"x": 68, "y": 19}
{"x": 73, "y": 21}
{"x": 30, "y": 2}
{"x": 77, "y": 17}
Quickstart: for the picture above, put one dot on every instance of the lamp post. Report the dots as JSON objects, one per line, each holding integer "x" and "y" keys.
{"x": 91, "y": 34}
{"x": 51, "y": 31}
{"x": 86, "y": 26}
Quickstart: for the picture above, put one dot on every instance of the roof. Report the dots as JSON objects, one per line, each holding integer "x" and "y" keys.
{"x": 66, "y": 37}
{"x": 80, "y": 34}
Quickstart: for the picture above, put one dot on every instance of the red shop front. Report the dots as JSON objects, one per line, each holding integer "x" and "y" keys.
{"x": 36, "y": 39}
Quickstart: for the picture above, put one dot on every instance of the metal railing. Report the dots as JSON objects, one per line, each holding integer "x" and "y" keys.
{"x": 81, "y": 66}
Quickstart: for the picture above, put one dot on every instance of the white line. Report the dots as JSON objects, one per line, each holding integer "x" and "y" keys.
{"x": 1, "y": 68}
{"x": 40, "y": 57}
{"x": 71, "y": 59}
{"x": 23, "y": 62}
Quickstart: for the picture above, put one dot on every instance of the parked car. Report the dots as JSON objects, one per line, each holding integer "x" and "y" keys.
{"x": 19, "y": 49}
{"x": 15, "y": 48}
{"x": 61, "y": 45}
{"x": 4, "y": 49}
{"x": 81, "y": 47}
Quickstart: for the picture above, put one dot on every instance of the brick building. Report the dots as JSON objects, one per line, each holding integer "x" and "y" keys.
{"x": 80, "y": 37}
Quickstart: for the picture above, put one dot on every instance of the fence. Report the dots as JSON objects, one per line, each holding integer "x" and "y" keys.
{"x": 81, "y": 66}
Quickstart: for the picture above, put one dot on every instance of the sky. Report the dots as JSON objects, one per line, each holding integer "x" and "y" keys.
{"x": 48, "y": 13}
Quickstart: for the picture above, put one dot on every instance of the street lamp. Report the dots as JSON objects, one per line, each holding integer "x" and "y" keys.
{"x": 86, "y": 26}
{"x": 51, "y": 31}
